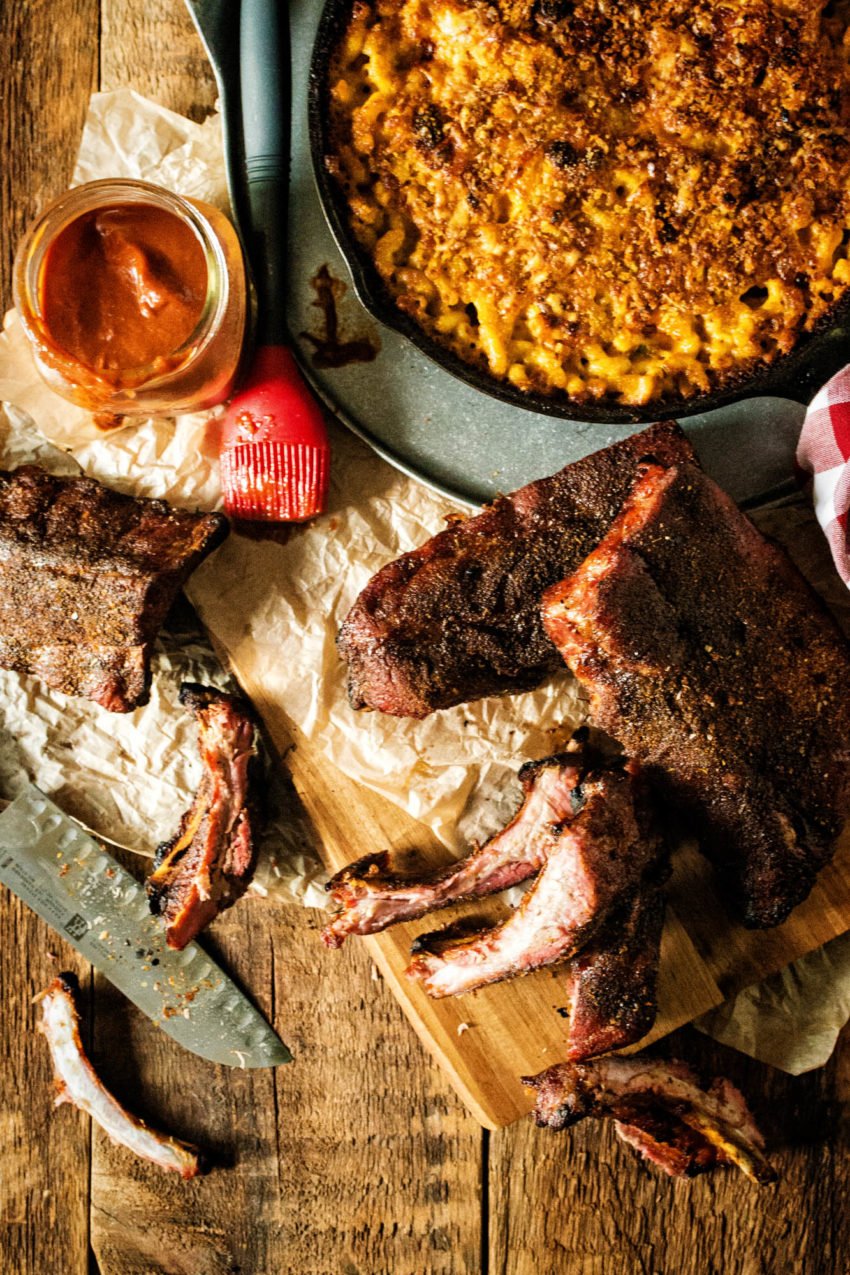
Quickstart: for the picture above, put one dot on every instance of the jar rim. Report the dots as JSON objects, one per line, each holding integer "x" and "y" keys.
{"x": 104, "y": 193}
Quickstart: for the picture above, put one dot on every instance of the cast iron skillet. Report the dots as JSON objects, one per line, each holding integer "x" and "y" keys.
{"x": 797, "y": 375}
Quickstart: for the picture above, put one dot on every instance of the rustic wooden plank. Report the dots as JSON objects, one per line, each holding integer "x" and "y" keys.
{"x": 580, "y": 1203}
{"x": 356, "y": 1157}
{"x": 44, "y": 1176}
{"x": 381, "y": 1165}
{"x": 48, "y": 54}
{"x": 154, "y": 48}
{"x": 145, "y": 1219}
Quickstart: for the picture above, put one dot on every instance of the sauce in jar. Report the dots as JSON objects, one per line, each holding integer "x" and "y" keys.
{"x": 134, "y": 299}
{"x": 124, "y": 287}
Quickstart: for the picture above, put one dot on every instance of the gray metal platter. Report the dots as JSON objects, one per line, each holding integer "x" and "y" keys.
{"x": 457, "y": 440}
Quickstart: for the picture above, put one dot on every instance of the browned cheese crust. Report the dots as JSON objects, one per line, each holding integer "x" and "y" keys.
{"x": 631, "y": 201}
{"x": 87, "y": 577}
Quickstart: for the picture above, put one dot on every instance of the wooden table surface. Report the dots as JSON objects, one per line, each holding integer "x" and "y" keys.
{"x": 358, "y": 1159}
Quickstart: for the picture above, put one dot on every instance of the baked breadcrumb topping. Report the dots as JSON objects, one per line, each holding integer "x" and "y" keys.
{"x": 607, "y": 199}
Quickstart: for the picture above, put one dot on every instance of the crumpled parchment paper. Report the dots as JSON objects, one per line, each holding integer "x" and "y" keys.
{"x": 455, "y": 771}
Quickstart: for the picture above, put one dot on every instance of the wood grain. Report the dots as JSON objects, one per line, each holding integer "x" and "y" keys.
{"x": 48, "y": 60}
{"x": 313, "y": 1158}
{"x": 357, "y": 1159}
{"x": 153, "y": 48}
{"x": 44, "y": 1177}
{"x": 608, "y": 1212}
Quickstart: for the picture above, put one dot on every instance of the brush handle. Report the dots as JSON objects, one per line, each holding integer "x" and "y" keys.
{"x": 264, "y": 81}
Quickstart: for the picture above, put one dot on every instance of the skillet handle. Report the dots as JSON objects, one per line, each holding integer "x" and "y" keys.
{"x": 218, "y": 26}
{"x": 264, "y": 90}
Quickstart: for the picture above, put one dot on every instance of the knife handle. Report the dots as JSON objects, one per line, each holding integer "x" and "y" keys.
{"x": 264, "y": 76}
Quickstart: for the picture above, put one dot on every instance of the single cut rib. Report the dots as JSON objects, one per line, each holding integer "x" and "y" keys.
{"x": 661, "y": 1110}
{"x": 371, "y": 897}
{"x": 722, "y": 674}
{"x": 87, "y": 577}
{"x": 208, "y": 864}
{"x": 596, "y": 857}
{"x": 78, "y": 1083}
{"x": 612, "y": 981}
{"x": 459, "y": 618}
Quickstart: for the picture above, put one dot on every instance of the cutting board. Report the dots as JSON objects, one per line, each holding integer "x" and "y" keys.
{"x": 485, "y": 1041}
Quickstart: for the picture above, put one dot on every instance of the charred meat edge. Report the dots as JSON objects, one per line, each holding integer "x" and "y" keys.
{"x": 371, "y": 898}
{"x": 459, "y": 617}
{"x": 593, "y": 859}
{"x": 660, "y": 1109}
{"x": 208, "y": 865}
{"x": 77, "y": 1082}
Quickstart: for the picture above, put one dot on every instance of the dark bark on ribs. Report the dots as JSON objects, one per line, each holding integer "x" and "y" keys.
{"x": 613, "y": 1000}
{"x": 595, "y": 860}
{"x": 208, "y": 865}
{"x": 720, "y": 671}
{"x": 87, "y": 577}
{"x": 661, "y": 1109}
{"x": 459, "y": 618}
{"x": 371, "y": 897}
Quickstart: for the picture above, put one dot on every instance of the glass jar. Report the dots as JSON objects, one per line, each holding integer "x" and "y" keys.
{"x": 200, "y": 371}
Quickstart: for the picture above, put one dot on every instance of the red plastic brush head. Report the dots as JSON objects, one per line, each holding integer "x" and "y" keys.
{"x": 275, "y": 454}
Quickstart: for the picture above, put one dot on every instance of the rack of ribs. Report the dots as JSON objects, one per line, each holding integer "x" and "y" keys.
{"x": 87, "y": 577}
{"x": 721, "y": 673}
{"x": 584, "y": 813}
{"x": 371, "y": 897}
{"x": 660, "y": 1109}
{"x": 459, "y": 617}
{"x": 208, "y": 864}
{"x": 598, "y": 858}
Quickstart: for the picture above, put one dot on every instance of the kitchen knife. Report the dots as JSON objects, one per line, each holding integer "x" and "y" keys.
{"x": 84, "y": 894}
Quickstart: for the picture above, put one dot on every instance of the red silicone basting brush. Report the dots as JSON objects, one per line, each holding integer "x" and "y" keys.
{"x": 275, "y": 455}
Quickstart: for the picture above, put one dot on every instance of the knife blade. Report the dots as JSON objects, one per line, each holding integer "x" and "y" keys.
{"x": 84, "y": 894}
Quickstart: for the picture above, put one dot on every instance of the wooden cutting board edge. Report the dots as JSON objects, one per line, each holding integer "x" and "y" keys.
{"x": 484, "y": 1060}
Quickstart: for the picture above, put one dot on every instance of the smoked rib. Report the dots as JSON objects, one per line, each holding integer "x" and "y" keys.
{"x": 459, "y": 617}
{"x": 87, "y": 577}
{"x": 209, "y": 862}
{"x": 660, "y": 1108}
{"x": 719, "y": 670}
{"x": 370, "y": 897}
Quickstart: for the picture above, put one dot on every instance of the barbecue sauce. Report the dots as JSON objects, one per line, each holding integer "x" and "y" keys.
{"x": 123, "y": 288}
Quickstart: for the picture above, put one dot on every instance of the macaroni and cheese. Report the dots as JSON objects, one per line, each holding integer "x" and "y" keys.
{"x": 604, "y": 199}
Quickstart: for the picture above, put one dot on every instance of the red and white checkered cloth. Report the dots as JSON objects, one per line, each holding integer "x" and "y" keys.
{"x": 823, "y": 456}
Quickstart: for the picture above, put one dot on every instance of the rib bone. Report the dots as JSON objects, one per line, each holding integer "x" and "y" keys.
{"x": 78, "y": 1083}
